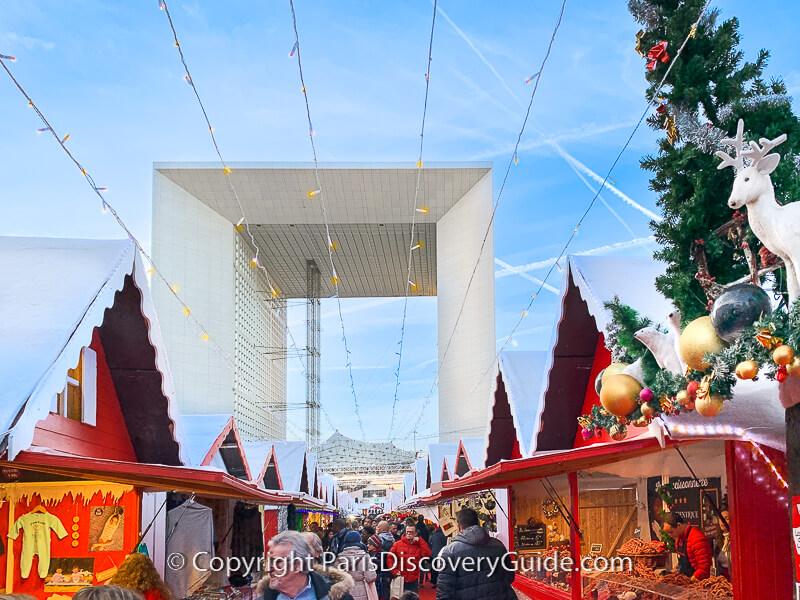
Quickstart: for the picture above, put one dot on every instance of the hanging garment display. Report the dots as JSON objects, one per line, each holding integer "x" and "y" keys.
{"x": 36, "y": 527}
{"x": 190, "y": 534}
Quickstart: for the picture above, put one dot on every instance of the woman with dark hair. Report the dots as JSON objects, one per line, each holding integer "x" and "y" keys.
{"x": 137, "y": 572}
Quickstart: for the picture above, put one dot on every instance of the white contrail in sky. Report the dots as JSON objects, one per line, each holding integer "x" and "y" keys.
{"x": 550, "y": 261}
{"x": 522, "y": 273}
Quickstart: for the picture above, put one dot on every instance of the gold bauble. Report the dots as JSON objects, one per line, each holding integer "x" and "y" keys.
{"x": 640, "y": 422}
{"x": 612, "y": 369}
{"x": 684, "y": 398}
{"x": 698, "y": 339}
{"x": 619, "y": 395}
{"x": 618, "y": 432}
{"x": 647, "y": 410}
{"x": 793, "y": 368}
{"x": 783, "y": 355}
{"x": 709, "y": 406}
{"x": 747, "y": 369}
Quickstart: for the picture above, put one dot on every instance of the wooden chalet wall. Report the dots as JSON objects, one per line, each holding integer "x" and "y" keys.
{"x": 761, "y": 541}
{"x": 108, "y": 439}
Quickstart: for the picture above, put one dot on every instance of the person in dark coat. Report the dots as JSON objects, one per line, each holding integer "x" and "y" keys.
{"x": 339, "y": 529}
{"x": 437, "y": 542}
{"x": 482, "y": 582}
{"x": 422, "y": 529}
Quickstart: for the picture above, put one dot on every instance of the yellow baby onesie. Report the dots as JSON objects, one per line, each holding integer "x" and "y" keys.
{"x": 36, "y": 528}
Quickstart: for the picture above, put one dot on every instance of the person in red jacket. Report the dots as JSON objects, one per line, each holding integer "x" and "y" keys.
{"x": 406, "y": 557}
{"x": 694, "y": 549}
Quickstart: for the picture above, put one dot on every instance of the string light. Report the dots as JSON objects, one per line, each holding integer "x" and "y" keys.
{"x": 417, "y": 246}
{"x": 243, "y": 223}
{"x": 41, "y": 130}
{"x": 769, "y": 462}
{"x": 186, "y": 310}
{"x": 335, "y": 279}
{"x": 254, "y": 261}
{"x": 444, "y": 354}
{"x": 312, "y": 193}
{"x": 531, "y": 78}
{"x": 9, "y": 58}
{"x": 153, "y": 269}
{"x": 294, "y": 49}
{"x": 636, "y": 127}
{"x": 422, "y": 210}
{"x": 66, "y": 137}
{"x": 105, "y": 207}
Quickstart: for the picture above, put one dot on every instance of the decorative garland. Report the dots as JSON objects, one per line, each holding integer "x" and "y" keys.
{"x": 766, "y": 348}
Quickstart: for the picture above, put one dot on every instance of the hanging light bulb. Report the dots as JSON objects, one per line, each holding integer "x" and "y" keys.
{"x": 42, "y": 130}
{"x": 422, "y": 210}
{"x": 412, "y": 284}
{"x": 186, "y": 310}
{"x": 205, "y": 337}
{"x": 6, "y": 57}
{"x": 105, "y": 207}
{"x": 240, "y": 224}
{"x": 312, "y": 193}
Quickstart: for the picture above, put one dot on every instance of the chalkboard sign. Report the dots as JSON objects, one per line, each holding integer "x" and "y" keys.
{"x": 597, "y": 548}
{"x": 530, "y": 538}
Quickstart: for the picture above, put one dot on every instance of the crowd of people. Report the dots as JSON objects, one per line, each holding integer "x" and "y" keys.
{"x": 381, "y": 559}
{"x": 371, "y": 560}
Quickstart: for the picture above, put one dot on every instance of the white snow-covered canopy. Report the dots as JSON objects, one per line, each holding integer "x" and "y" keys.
{"x": 449, "y": 463}
{"x": 265, "y": 469}
{"x": 516, "y": 393}
{"x": 408, "y": 485}
{"x": 469, "y": 456}
{"x": 291, "y": 457}
{"x": 55, "y": 293}
{"x": 328, "y": 488}
{"x": 420, "y": 475}
{"x": 753, "y": 413}
{"x": 214, "y": 440}
{"x": 313, "y": 475}
{"x": 436, "y": 454}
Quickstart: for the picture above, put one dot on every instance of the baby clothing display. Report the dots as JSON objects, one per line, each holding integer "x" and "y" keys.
{"x": 36, "y": 527}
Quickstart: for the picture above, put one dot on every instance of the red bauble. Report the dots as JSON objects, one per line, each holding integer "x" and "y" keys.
{"x": 692, "y": 388}
{"x": 781, "y": 374}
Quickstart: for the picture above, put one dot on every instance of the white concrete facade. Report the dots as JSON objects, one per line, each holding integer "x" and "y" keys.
{"x": 201, "y": 252}
{"x": 369, "y": 210}
{"x": 463, "y": 390}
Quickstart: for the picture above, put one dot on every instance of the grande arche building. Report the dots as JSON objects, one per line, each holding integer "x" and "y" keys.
{"x": 369, "y": 209}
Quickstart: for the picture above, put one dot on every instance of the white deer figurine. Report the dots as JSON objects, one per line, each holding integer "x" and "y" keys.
{"x": 778, "y": 227}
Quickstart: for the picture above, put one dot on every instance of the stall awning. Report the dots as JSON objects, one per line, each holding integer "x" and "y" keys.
{"x": 208, "y": 482}
{"x": 543, "y": 464}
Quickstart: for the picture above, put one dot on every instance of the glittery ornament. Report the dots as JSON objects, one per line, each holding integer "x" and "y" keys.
{"x": 698, "y": 339}
{"x": 737, "y": 308}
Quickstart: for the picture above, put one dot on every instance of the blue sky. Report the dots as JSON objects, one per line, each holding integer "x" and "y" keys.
{"x": 108, "y": 74}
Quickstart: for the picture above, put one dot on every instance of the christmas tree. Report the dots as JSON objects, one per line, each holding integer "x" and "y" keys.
{"x": 709, "y": 88}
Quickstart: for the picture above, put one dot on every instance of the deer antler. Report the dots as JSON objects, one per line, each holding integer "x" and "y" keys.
{"x": 737, "y": 142}
{"x": 757, "y": 153}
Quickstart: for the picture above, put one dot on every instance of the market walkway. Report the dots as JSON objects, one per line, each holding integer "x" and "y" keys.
{"x": 429, "y": 593}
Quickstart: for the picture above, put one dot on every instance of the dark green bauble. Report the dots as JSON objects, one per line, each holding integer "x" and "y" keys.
{"x": 598, "y": 382}
{"x": 737, "y": 309}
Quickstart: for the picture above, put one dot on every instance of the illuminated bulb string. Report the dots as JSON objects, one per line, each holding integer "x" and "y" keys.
{"x": 512, "y": 161}
{"x": 321, "y": 194}
{"x": 412, "y": 244}
{"x": 243, "y": 222}
{"x": 153, "y": 270}
{"x": 597, "y": 194}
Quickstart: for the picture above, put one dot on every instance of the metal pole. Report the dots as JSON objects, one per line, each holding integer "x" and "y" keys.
{"x": 313, "y": 291}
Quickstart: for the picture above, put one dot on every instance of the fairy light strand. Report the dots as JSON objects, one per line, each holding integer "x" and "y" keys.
{"x": 228, "y": 172}
{"x": 153, "y": 270}
{"x": 320, "y": 192}
{"x": 413, "y": 245}
{"x": 597, "y": 194}
{"x": 511, "y": 162}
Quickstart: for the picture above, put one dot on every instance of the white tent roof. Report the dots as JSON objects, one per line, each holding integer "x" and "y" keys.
{"x": 450, "y": 461}
{"x": 257, "y": 454}
{"x": 632, "y": 278}
{"x": 290, "y": 457}
{"x": 200, "y": 432}
{"x": 54, "y": 293}
{"x": 421, "y": 473}
{"x": 408, "y": 485}
{"x": 328, "y": 484}
{"x": 524, "y": 376}
{"x": 311, "y": 465}
{"x": 474, "y": 448}
{"x": 436, "y": 454}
